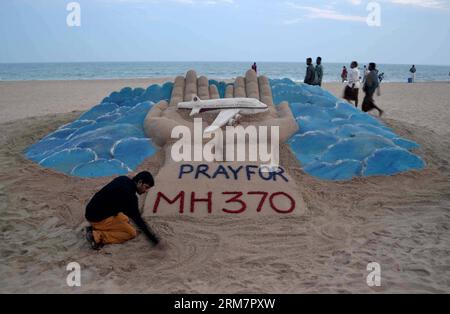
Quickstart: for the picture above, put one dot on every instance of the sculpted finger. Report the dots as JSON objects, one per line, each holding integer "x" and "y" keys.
{"x": 203, "y": 87}
{"x": 265, "y": 91}
{"x": 286, "y": 121}
{"x": 214, "y": 92}
{"x": 239, "y": 88}
{"x": 190, "y": 89}
{"x": 251, "y": 84}
{"x": 178, "y": 91}
{"x": 229, "y": 92}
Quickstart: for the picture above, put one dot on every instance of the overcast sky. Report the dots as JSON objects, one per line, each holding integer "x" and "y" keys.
{"x": 411, "y": 31}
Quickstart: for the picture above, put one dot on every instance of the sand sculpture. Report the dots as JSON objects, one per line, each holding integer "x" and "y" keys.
{"x": 237, "y": 187}
{"x": 331, "y": 139}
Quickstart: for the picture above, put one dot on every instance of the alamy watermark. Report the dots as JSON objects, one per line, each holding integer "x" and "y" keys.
{"x": 374, "y": 277}
{"x": 73, "y": 279}
{"x": 73, "y": 19}
{"x": 251, "y": 144}
{"x": 374, "y": 17}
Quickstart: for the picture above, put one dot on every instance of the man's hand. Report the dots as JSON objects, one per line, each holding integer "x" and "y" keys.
{"x": 162, "y": 245}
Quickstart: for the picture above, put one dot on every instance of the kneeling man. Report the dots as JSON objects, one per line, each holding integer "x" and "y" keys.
{"x": 111, "y": 208}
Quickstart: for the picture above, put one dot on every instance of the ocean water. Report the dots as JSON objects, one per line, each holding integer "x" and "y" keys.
{"x": 216, "y": 70}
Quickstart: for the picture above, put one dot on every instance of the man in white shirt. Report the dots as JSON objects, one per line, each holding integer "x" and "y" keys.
{"x": 351, "y": 91}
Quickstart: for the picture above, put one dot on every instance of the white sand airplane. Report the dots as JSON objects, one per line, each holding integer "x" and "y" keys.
{"x": 230, "y": 109}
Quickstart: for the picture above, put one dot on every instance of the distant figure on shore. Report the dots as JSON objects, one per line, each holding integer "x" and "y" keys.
{"x": 318, "y": 71}
{"x": 351, "y": 91}
{"x": 310, "y": 72}
{"x": 344, "y": 74}
{"x": 365, "y": 72}
{"x": 413, "y": 71}
{"x": 255, "y": 67}
{"x": 370, "y": 86}
{"x": 380, "y": 79}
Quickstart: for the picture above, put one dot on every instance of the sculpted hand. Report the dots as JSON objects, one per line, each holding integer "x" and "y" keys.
{"x": 163, "y": 117}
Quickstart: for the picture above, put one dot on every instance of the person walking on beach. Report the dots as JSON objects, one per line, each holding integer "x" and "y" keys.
{"x": 413, "y": 71}
{"x": 110, "y": 210}
{"x": 310, "y": 72}
{"x": 318, "y": 72}
{"x": 255, "y": 67}
{"x": 351, "y": 91}
{"x": 370, "y": 86}
{"x": 344, "y": 74}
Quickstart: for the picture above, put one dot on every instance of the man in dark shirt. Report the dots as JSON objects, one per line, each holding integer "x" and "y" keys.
{"x": 370, "y": 86}
{"x": 310, "y": 72}
{"x": 111, "y": 208}
{"x": 318, "y": 72}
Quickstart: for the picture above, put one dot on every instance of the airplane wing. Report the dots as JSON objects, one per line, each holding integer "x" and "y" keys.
{"x": 222, "y": 119}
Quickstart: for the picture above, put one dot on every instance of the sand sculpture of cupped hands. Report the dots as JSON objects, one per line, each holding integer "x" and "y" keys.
{"x": 199, "y": 187}
{"x": 164, "y": 116}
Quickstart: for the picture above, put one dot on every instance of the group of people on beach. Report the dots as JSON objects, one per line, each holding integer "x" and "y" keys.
{"x": 371, "y": 83}
{"x": 314, "y": 74}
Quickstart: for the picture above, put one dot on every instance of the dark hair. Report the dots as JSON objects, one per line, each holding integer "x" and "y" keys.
{"x": 319, "y": 58}
{"x": 354, "y": 63}
{"x": 146, "y": 178}
{"x": 372, "y": 66}
{"x": 309, "y": 59}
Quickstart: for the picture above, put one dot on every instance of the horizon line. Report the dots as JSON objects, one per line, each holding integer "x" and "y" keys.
{"x": 299, "y": 62}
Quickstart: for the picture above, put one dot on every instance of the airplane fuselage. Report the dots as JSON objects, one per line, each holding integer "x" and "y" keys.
{"x": 246, "y": 106}
{"x": 230, "y": 109}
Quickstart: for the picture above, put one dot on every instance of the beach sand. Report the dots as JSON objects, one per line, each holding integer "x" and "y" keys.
{"x": 401, "y": 222}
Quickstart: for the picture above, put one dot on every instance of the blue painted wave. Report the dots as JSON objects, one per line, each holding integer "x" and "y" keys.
{"x": 107, "y": 140}
{"x": 336, "y": 141}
